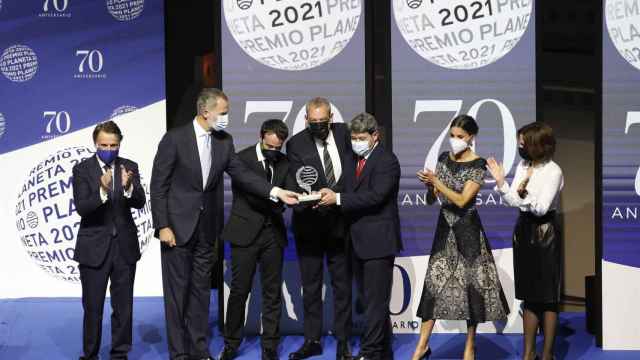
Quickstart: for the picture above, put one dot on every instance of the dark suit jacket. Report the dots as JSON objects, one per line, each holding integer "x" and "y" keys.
{"x": 302, "y": 151}
{"x": 249, "y": 212}
{"x": 177, "y": 195}
{"x": 371, "y": 205}
{"x": 97, "y": 219}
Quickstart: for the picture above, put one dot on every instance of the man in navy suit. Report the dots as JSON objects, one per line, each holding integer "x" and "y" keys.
{"x": 187, "y": 207}
{"x": 369, "y": 201}
{"x": 105, "y": 189}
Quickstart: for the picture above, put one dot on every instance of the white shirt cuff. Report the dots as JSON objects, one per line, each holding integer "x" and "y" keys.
{"x": 502, "y": 189}
{"x": 103, "y": 195}
{"x": 273, "y": 194}
{"x": 129, "y": 192}
{"x": 338, "y": 202}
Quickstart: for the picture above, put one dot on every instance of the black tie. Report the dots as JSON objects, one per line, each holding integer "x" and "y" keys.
{"x": 114, "y": 231}
{"x": 107, "y": 169}
{"x": 267, "y": 169}
{"x": 328, "y": 166}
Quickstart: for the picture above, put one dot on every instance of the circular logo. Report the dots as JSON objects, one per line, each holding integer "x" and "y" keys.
{"x": 245, "y": 4}
{"x": 32, "y": 219}
{"x": 19, "y": 63}
{"x": 125, "y": 10}
{"x": 292, "y": 35}
{"x": 623, "y": 24}
{"x": 414, "y": 4}
{"x": 462, "y": 34}
{"x": 121, "y": 110}
{"x": 47, "y": 220}
{"x": 3, "y": 125}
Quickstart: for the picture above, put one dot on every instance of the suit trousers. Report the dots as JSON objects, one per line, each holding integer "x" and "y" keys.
{"x": 266, "y": 252}
{"x": 374, "y": 279}
{"x": 186, "y": 283}
{"x": 94, "y": 282}
{"x": 311, "y": 257}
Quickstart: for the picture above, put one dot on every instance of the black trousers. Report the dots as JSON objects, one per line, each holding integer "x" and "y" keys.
{"x": 186, "y": 283}
{"x": 94, "y": 287}
{"x": 374, "y": 279}
{"x": 269, "y": 254}
{"x": 311, "y": 257}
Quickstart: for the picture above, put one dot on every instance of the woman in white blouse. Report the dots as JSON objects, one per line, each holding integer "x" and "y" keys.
{"x": 537, "y": 244}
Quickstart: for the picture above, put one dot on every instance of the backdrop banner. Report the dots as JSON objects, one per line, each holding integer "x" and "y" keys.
{"x": 621, "y": 174}
{"x": 64, "y": 67}
{"x": 451, "y": 58}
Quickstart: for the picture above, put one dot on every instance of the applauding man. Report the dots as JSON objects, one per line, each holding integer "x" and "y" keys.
{"x": 105, "y": 188}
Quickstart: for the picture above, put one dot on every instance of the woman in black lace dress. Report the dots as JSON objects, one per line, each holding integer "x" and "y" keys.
{"x": 462, "y": 280}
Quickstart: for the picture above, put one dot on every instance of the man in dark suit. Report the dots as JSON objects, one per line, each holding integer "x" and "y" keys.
{"x": 105, "y": 188}
{"x": 320, "y": 232}
{"x": 187, "y": 208}
{"x": 370, "y": 203}
{"x": 258, "y": 235}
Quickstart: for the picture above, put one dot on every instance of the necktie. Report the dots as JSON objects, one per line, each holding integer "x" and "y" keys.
{"x": 205, "y": 159}
{"x": 107, "y": 169}
{"x": 360, "y": 167}
{"x": 267, "y": 169}
{"x": 328, "y": 166}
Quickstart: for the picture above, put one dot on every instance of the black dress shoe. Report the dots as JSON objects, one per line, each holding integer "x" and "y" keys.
{"x": 307, "y": 350}
{"x": 269, "y": 354}
{"x": 228, "y": 353}
{"x": 343, "y": 351}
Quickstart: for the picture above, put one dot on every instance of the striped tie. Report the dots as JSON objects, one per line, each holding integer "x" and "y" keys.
{"x": 328, "y": 166}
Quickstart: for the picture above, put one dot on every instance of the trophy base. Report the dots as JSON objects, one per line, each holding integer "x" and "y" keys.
{"x": 309, "y": 198}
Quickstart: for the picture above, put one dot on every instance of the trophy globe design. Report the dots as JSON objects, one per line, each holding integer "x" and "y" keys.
{"x": 306, "y": 177}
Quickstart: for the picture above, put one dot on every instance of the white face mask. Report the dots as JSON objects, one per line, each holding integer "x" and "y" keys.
{"x": 458, "y": 145}
{"x": 221, "y": 122}
{"x": 360, "y": 147}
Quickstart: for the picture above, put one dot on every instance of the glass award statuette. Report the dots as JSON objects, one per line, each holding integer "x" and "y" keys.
{"x": 306, "y": 176}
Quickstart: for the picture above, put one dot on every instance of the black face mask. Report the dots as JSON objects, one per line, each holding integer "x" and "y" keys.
{"x": 319, "y": 130}
{"x": 272, "y": 156}
{"x": 522, "y": 151}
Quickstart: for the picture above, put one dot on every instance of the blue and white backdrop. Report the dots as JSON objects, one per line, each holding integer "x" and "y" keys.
{"x": 64, "y": 67}
{"x": 621, "y": 175}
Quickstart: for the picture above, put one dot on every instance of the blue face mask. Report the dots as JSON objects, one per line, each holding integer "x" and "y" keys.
{"x": 107, "y": 156}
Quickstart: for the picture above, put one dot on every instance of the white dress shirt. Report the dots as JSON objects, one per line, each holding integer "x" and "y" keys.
{"x": 543, "y": 189}
{"x": 203, "y": 139}
{"x": 263, "y": 161}
{"x": 334, "y": 154}
{"x": 104, "y": 196}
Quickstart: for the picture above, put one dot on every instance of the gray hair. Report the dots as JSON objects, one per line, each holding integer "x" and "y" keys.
{"x": 363, "y": 123}
{"x": 318, "y": 102}
{"x": 208, "y": 98}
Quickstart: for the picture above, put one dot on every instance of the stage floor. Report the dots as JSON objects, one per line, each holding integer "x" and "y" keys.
{"x": 51, "y": 329}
